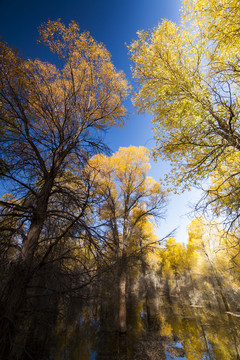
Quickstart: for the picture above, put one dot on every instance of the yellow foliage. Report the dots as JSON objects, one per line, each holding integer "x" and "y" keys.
{"x": 128, "y": 199}
{"x": 173, "y": 256}
{"x": 84, "y": 92}
{"x": 211, "y": 247}
{"x": 188, "y": 77}
{"x": 224, "y": 192}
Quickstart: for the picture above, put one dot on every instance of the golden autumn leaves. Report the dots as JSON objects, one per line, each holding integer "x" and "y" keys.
{"x": 185, "y": 80}
{"x": 129, "y": 199}
{"x": 188, "y": 77}
{"x": 84, "y": 90}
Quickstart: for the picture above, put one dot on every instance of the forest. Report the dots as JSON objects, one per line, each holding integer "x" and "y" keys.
{"x": 84, "y": 275}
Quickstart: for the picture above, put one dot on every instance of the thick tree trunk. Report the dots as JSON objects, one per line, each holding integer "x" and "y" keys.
{"x": 14, "y": 297}
{"x": 12, "y": 302}
{"x": 122, "y": 283}
{"x": 146, "y": 290}
{"x": 37, "y": 222}
{"x": 122, "y": 315}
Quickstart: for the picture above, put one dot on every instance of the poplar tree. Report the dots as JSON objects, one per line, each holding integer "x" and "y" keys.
{"x": 52, "y": 116}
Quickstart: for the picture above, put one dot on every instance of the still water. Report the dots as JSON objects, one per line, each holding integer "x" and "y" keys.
{"x": 163, "y": 332}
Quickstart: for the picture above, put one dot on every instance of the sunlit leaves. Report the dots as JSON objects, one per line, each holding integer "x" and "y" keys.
{"x": 128, "y": 198}
{"x": 97, "y": 85}
{"x": 173, "y": 257}
{"x": 224, "y": 192}
{"x": 188, "y": 78}
{"x": 212, "y": 250}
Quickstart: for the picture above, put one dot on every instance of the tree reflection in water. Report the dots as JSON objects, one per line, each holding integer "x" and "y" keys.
{"x": 168, "y": 332}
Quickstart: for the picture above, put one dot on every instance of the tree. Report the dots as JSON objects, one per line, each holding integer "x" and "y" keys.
{"x": 172, "y": 266}
{"x": 224, "y": 193}
{"x": 128, "y": 198}
{"x": 174, "y": 257}
{"x": 52, "y": 118}
{"x": 188, "y": 77}
{"x": 211, "y": 255}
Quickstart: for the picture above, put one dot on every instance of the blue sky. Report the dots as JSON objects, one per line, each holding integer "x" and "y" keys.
{"x": 114, "y": 23}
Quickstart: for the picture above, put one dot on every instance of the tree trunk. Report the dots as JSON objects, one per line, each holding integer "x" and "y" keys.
{"x": 167, "y": 291}
{"x": 146, "y": 290}
{"x": 14, "y": 297}
{"x": 37, "y": 222}
{"x": 12, "y": 302}
{"x": 122, "y": 314}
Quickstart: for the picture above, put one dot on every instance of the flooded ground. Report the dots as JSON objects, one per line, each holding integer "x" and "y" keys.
{"x": 204, "y": 333}
{"x": 165, "y": 332}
